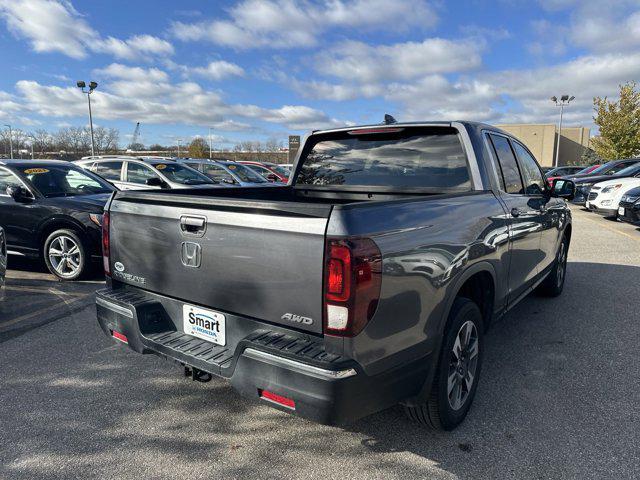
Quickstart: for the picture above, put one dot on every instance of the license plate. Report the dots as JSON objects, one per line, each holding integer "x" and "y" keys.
{"x": 205, "y": 324}
{"x": 621, "y": 211}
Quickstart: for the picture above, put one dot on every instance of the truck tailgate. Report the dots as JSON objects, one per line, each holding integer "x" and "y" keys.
{"x": 239, "y": 257}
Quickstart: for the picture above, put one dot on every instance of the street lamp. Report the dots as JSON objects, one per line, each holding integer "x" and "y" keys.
{"x": 10, "y": 139}
{"x": 210, "y": 144}
{"x": 563, "y": 102}
{"x": 92, "y": 86}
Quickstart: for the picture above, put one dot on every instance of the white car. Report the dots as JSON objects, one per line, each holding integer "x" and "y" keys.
{"x": 604, "y": 197}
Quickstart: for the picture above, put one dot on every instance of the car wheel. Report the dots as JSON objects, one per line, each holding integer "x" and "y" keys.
{"x": 457, "y": 372}
{"x": 65, "y": 255}
{"x": 553, "y": 285}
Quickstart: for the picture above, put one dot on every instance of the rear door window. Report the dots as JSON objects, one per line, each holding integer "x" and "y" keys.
{"x": 508, "y": 165}
{"x": 430, "y": 158}
{"x": 108, "y": 170}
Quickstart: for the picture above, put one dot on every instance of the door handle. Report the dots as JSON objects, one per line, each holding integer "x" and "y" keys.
{"x": 515, "y": 212}
{"x": 193, "y": 225}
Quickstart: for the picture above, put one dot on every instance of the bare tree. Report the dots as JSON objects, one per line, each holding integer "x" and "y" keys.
{"x": 105, "y": 139}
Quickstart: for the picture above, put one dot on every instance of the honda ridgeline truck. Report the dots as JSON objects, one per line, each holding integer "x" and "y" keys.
{"x": 368, "y": 280}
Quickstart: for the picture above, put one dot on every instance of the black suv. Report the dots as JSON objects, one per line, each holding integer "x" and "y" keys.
{"x": 53, "y": 210}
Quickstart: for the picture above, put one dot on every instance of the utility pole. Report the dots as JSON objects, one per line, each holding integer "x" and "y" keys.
{"x": 563, "y": 102}
{"x": 210, "y": 145}
{"x": 10, "y": 139}
{"x": 92, "y": 86}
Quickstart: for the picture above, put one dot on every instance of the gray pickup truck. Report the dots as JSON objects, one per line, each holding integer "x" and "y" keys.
{"x": 369, "y": 280}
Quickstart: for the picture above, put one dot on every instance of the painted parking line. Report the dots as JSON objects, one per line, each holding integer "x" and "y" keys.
{"x": 613, "y": 229}
{"x": 65, "y": 303}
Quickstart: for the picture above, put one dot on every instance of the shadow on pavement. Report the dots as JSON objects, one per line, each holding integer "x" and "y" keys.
{"x": 558, "y": 399}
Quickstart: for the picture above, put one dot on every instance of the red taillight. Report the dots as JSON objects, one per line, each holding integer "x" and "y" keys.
{"x": 275, "y": 398}
{"x": 352, "y": 285}
{"x": 119, "y": 336}
{"x": 339, "y": 273}
{"x": 106, "y": 246}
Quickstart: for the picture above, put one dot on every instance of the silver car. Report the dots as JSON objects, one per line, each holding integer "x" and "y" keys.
{"x": 230, "y": 173}
{"x": 133, "y": 173}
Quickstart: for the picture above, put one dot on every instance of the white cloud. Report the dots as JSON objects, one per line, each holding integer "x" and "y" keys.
{"x": 299, "y": 23}
{"x": 55, "y": 26}
{"x": 219, "y": 70}
{"x": 357, "y": 61}
{"x": 148, "y": 95}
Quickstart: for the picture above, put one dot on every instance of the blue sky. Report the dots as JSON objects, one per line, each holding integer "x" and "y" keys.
{"x": 259, "y": 69}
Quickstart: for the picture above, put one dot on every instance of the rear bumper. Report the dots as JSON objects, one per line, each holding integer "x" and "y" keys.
{"x": 326, "y": 388}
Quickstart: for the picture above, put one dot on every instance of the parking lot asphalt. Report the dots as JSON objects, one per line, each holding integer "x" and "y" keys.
{"x": 558, "y": 397}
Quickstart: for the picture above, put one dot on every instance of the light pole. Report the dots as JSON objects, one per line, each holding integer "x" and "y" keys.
{"x": 10, "y": 139}
{"x": 92, "y": 86}
{"x": 563, "y": 102}
{"x": 210, "y": 145}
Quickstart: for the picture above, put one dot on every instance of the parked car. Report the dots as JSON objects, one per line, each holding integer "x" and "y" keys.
{"x": 629, "y": 207}
{"x": 552, "y": 174}
{"x": 304, "y": 295}
{"x": 566, "y": 170}
{"x": 131, "y": 173}
{"x": 3, "y": 261}
{"x": 229, "y": 173}
{"x": 53, "y": 210}
{"x": 270, "y": 171}
{"x": 607, "y": 171}
{"x": 604, "y": 197}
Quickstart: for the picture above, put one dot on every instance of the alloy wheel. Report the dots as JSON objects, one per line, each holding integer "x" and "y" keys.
{"x": 463, "y": 364}
{"x": 562, "y": 264}
{"x": 64, "y": 256}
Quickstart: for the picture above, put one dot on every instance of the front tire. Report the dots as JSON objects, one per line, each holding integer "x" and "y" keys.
{"x": 553, "y": 285}
{"x": 65, "y": 255}
{"x": 457, "y": 372}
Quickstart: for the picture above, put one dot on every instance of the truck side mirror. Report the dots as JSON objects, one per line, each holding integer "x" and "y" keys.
{"x": 563, "y": 189}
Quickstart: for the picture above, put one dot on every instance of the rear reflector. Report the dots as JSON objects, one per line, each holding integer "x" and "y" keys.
{"x": 119, "y": 336}
{"x": 275, "y": 398}
{"x": 106, "y": 243}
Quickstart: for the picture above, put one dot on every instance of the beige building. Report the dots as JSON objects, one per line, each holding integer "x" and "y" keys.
{"x": 542, "y": 141}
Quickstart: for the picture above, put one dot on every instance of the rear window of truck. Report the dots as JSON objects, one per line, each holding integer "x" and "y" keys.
{"x": 430, "y": 158}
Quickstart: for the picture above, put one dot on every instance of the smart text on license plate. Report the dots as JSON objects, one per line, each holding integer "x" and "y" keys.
{"x": 621, "y": 211}
{"x": 205, "y": 324}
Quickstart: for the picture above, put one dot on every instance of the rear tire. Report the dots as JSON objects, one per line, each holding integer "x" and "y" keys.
{"x": 553, "y": 285}
{"x": 65, "y": 255}
{"x": 457, "y": 372}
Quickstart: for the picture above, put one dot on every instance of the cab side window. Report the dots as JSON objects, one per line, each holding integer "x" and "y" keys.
{"x": 508, "y": 164}
{"x": 534, "y": 181}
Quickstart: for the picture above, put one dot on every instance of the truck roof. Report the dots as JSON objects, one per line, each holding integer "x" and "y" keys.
{"x": 425, "y": 123}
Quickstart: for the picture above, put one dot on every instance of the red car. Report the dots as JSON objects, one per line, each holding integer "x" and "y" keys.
{"x": 270, "y": 171}
{"x": 584, "y": 171}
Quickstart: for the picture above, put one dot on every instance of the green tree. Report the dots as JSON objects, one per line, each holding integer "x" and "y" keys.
{"x": 198, "y": 148}
{"x": 619, "y": 124}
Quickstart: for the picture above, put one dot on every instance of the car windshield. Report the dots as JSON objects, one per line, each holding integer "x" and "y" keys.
{"x": 588, "y": 169}
{"x": 63, "y": 181}
{"x": 428, "y": 158}
{"x": 630, "y": 170}
{"x": 181, "y": 174}
{"x": 245, "y": 174}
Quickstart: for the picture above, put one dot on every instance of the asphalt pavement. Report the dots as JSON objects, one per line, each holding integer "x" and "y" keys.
{"x": 558, "y": 396}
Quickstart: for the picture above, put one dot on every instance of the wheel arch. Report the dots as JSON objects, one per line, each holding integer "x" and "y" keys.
{"x": 59, "y": 223}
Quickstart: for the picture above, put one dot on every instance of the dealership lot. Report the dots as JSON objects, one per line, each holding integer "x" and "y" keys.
{"x": 558, "y": 398}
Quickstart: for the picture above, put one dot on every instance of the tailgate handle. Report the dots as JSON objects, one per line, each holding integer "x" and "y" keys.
{"x": 193, "y": 225}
